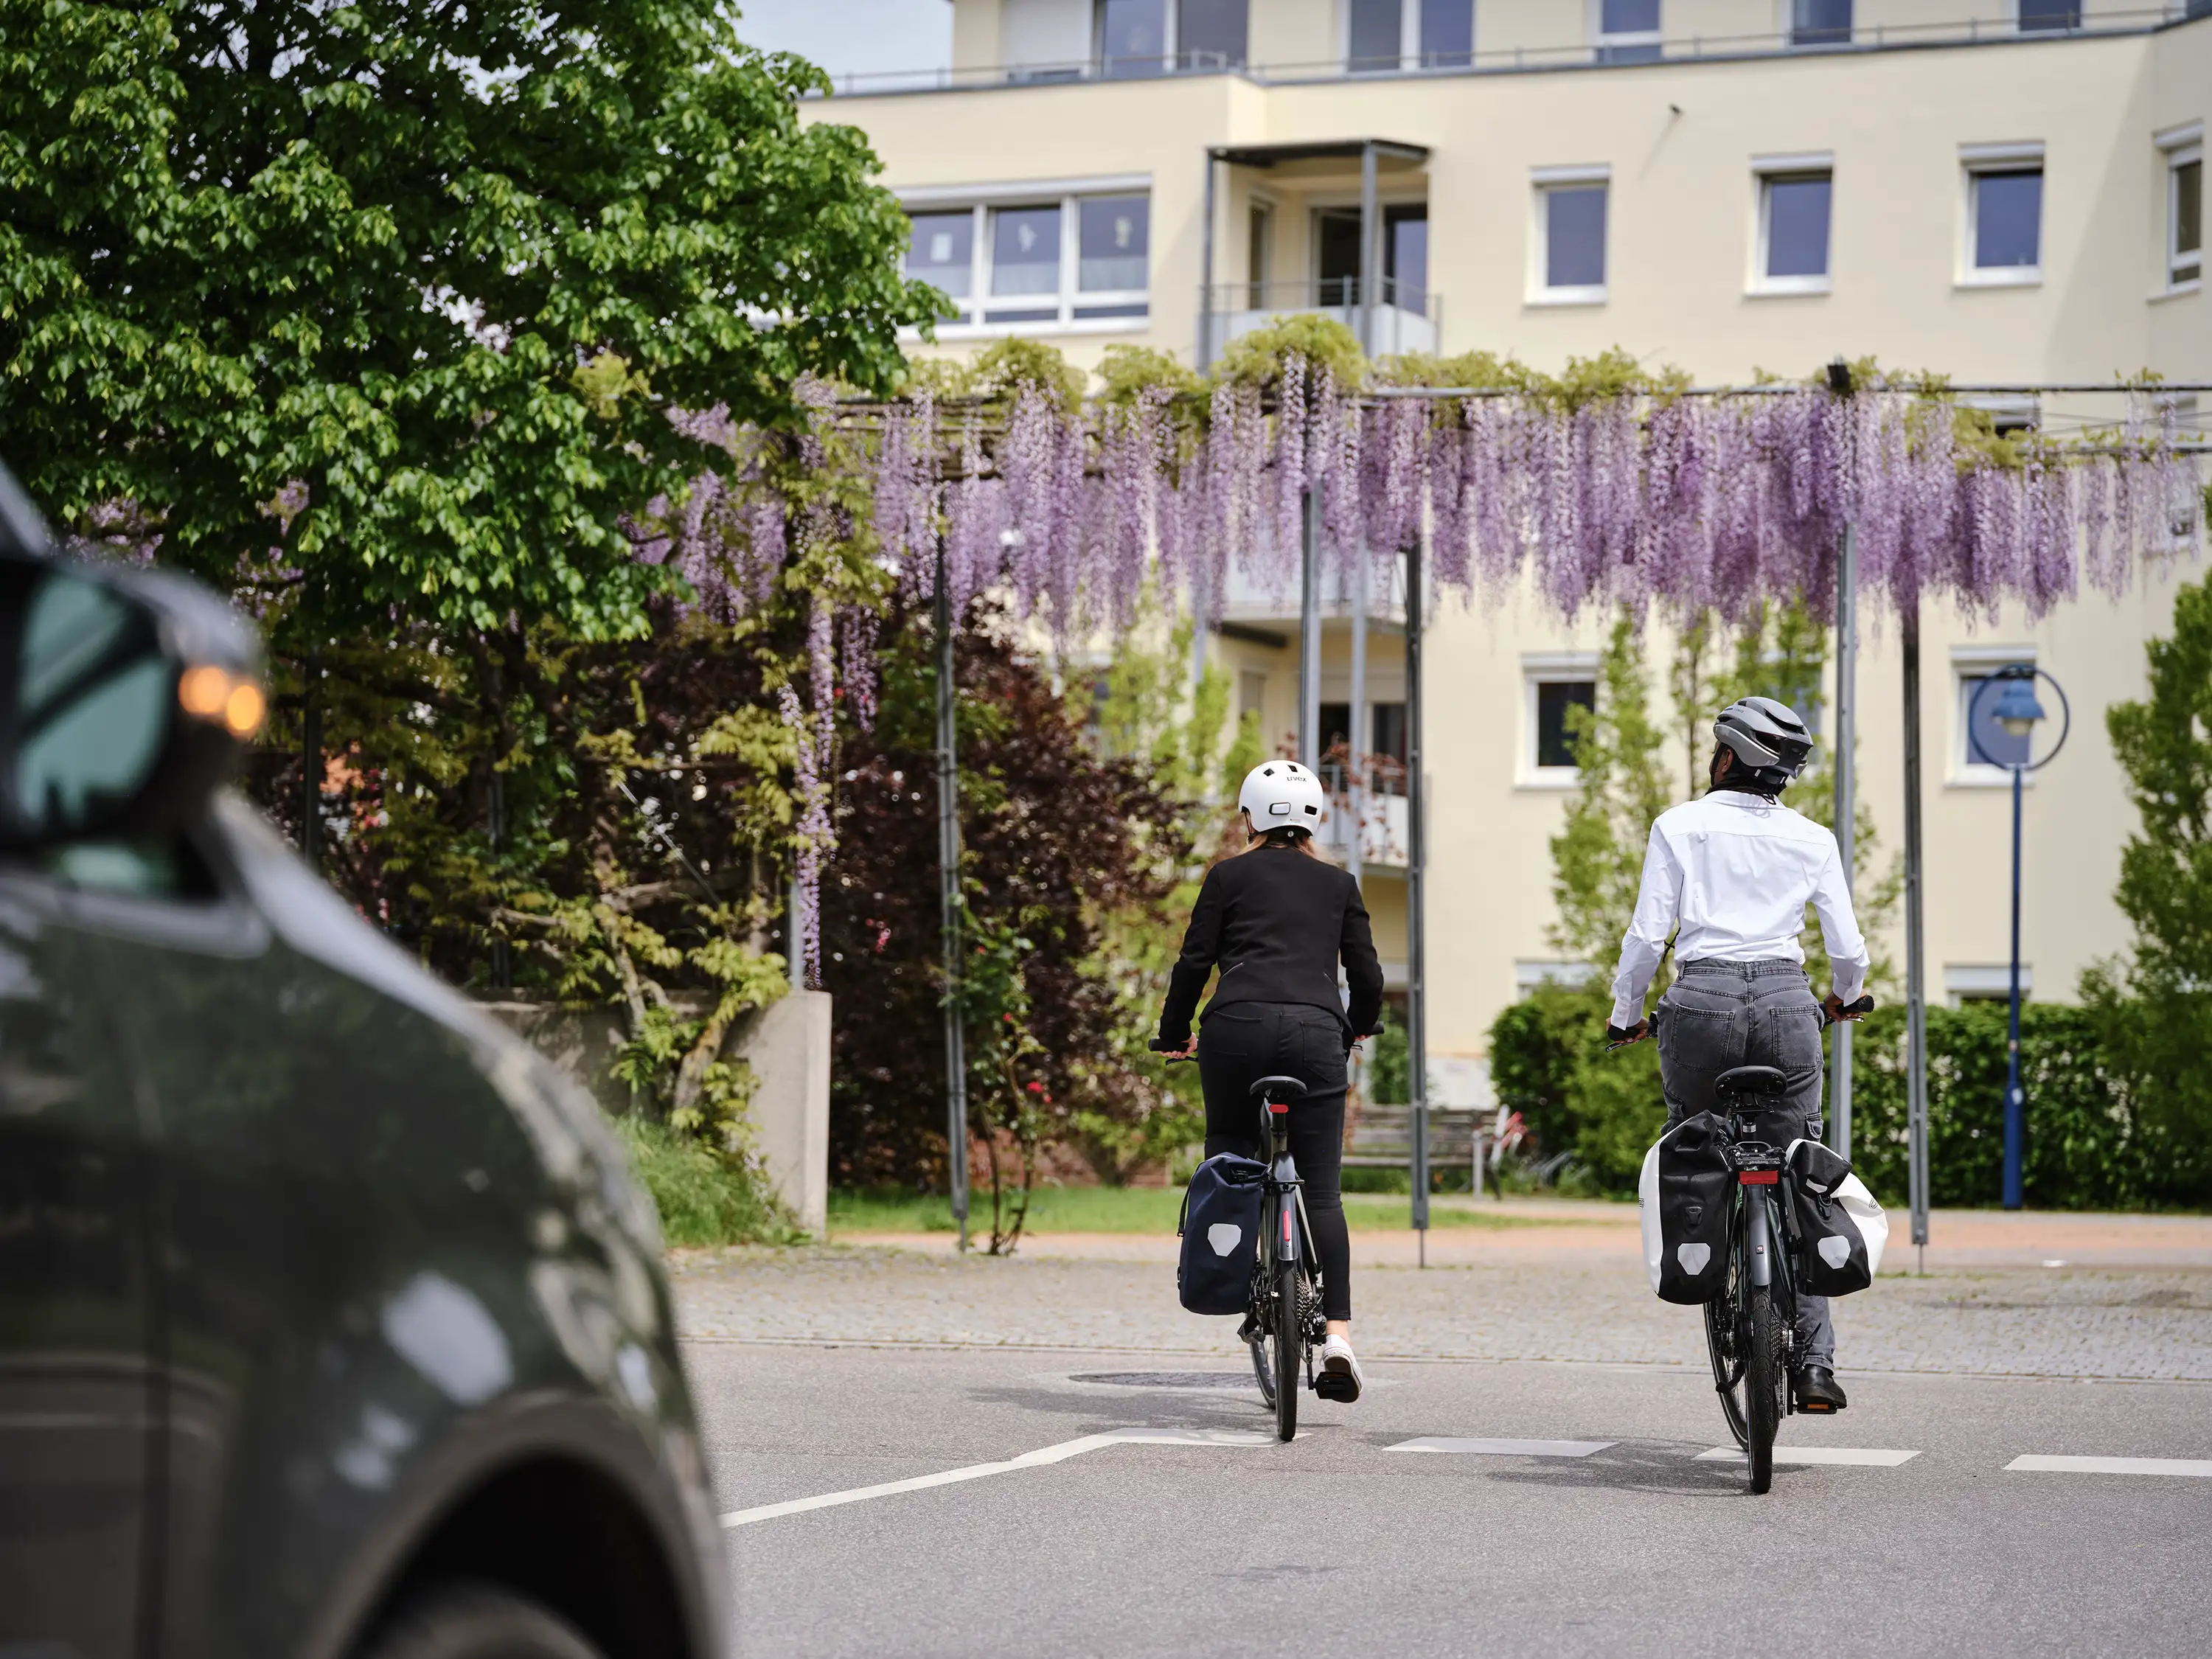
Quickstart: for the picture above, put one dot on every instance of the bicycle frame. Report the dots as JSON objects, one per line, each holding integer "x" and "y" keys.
{"x": 1285, "y": 1236}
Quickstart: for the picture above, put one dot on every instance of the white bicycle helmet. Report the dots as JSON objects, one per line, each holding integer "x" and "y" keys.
{"x": 1766, "y": 736}
{"x": 1282, "y": 794}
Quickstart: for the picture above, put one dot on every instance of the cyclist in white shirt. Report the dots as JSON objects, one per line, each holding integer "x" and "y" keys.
{"x": 1729, "y": 876}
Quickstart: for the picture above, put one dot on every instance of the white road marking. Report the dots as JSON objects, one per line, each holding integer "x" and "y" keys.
{"x": 2197, "y": 1466}
{"x": 1031, "y": 1460}
{"x": 1868, "y": 1457}
{"x": 1444, "y": 1443}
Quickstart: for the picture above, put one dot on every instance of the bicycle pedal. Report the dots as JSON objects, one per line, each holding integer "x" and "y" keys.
{"x": 1336, "y": 1385}
{"x": 1816, "y": 1408}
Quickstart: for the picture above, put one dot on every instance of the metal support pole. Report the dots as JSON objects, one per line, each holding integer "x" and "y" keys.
{"x": 311, "y": 761}
{"x": 2015, "y": 1103}
{"x": 1309, "y": 636}
{"x": 1915, "y": 951}
{"x": 1847, "y": 698}
{"x": 1368, "y": 262}
{"x": 1416, "y": 1016}
{"x": 1355, "y": 736}
{"x": 1206, "y": 268}
{"x": 948, "y": 859}
{"x": 795, "y": 919}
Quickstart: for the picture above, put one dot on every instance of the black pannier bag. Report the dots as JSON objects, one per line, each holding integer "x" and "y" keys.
{"x": 1685, "y": 1196}
{"x": 1839, "y": 1227}
{"x": 1220, "y": 1231}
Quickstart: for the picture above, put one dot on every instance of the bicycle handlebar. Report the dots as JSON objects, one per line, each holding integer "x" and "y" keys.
{"x": 1852, "y": 1010}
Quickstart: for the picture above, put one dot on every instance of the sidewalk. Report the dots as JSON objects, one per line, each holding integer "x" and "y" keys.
{"x": 1594, "y": 1230}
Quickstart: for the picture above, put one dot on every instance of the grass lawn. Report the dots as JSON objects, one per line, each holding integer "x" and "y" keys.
{"x": 1116, "y": 1210}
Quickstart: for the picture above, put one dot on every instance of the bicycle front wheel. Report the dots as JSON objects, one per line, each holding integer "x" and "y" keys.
{"x": 1290, "y": 1349}
{"x": 1727, "y": 1341}
{"x": 1263, "y": 1362}
{"x": 1765, "y": 1378}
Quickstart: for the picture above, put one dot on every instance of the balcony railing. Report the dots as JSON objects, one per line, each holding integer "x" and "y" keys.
{"x": 1249, "y": 597}
{"x": 1581, "y": 54}
{"x": 1383, "y": 825}
{"x": 1402, "y": 319}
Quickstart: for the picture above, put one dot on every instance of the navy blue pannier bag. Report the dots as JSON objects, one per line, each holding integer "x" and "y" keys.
{"x": 1220, "y": 1233}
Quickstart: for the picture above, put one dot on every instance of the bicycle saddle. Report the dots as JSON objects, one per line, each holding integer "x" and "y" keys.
{"x": 1749, "y": 1080}
{"x": 1282, "y": 1088}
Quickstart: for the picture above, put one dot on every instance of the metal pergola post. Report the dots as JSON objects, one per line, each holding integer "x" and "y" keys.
{"x": 1847, "y": 698}
{"x": 948, "y": 860}
{"x": 1355, "y": 737}
{"x": 1915, "y": 966}
{"x": 1368, "y": 261}
{"x": 1309, "y": 633}
{"x": 1416, "y": 1016}
{"x": 1206, "y": 267}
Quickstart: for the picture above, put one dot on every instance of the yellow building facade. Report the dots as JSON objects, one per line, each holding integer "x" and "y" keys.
{"x": 2008, "y": 194}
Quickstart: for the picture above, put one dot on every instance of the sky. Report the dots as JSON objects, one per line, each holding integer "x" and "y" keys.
{"x": 853, "y": 37}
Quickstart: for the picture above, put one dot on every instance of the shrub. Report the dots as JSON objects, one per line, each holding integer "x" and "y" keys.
{"x": 704, "y": 1198}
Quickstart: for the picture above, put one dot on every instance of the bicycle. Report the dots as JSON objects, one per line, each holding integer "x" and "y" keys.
{"x": 1284, "y": 1322}
{"x": 1751, "y": 1327}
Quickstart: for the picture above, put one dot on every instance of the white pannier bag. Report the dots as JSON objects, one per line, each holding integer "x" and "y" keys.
{"x": 1844, "y": 1229}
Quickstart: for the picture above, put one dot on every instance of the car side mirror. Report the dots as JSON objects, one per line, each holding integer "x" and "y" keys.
{"x": 126, "y": 696}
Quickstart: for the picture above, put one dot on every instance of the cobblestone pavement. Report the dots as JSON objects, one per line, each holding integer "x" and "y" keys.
{"x": 2135, "y": 1321}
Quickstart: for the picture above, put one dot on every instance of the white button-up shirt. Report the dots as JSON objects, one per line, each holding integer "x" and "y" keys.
{"x": 1736, "y": 871}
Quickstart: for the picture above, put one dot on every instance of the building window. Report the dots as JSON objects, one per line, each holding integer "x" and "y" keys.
{"x": 1557, "y": 684}
{"x": 1375, "y": 35}
{"x": 1975, "y": 981}
{"x": 1385, "y": 753}
{"x": 1447, "y": 34}
{"x": 1627, "y": 31}
{"x": 1212, "y": 34}
{"x": 1405, "y": 258}
{"x": 1074, "y": 261}
{"x": 1793, "y": 211}
{"x": 1985, "y": 750}
{"x": 2184, "y": 216}
{"x": 2004, "y": 214}
{"x": 1569, "y": 240}
{"x": 1819, "y": 22}
{"x": 1133, "y": 38}
{"x": 1251, "y": 694}
{"x": 2049, "y": 16}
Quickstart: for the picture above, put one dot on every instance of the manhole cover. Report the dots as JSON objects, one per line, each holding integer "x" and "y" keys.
{"x": 1167, "y": 1379}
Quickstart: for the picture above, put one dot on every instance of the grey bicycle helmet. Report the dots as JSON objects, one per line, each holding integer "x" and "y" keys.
{"x": 1767, "y": 737}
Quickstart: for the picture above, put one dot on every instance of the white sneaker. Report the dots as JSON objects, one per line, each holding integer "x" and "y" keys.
{"x": 1341, "y": 1378}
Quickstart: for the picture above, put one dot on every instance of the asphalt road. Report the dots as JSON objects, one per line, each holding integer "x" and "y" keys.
{"x": 1341, "y": 1544}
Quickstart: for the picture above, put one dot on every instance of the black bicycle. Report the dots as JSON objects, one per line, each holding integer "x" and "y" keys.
{"x": 1285, "y": 1320}
{"x": 1751, "y": 1327}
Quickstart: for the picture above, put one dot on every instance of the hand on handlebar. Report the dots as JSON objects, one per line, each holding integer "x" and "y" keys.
{"x": 1618, "y": 1036}
{"x": 1838, "y": 1010}
{"x": 1186, "y": 1051}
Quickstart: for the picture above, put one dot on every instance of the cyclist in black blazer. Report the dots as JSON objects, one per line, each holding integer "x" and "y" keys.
{"x": 1277, "y": 919}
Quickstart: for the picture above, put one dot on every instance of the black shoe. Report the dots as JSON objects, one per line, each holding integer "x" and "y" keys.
{"x": 1818, "y": 1390}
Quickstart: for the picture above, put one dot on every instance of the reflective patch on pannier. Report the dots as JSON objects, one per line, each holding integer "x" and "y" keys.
{"x": 1220, "y": 1233}
{"x": 1836, "y": 1218}
{"x": 1684, "y": 1192}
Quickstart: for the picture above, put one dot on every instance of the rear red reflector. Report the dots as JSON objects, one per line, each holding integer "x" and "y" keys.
{"x": 1285, "y": 1107}
{"x": 1759, "y": 1177}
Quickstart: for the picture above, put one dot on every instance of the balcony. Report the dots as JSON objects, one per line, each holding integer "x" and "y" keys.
{"x": 1403, "y": 319}
{"x": 1382, "y": 843}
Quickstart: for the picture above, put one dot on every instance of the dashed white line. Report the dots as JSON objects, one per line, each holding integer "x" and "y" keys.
{"x": 1444, "y": 1443}
{"x": 2046, "y": 1465}
{"x": 1867, "y": 1456}
{"x": 1031, "y": 1459}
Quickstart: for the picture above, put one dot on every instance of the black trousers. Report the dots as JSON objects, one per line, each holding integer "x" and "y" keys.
{"x": 1245, "y": 1042}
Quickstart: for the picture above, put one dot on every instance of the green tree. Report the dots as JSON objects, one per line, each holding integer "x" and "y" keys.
{"x": 2155, "y": 1004}
{"x": 1597, "y": 857}
{"x": 411, "y": 291}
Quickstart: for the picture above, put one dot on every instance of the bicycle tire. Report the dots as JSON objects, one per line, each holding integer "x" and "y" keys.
{"x": 1263, "y": 1364}
{"x": 1290, "y": 1350}
{"x": 1765, "y": 1377}
{"x": 1726, "y": 1340}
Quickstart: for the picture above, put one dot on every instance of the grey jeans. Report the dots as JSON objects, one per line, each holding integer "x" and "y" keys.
{"x": 1717, "y": 1015}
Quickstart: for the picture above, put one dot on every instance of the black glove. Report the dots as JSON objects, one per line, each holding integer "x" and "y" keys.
{"x": 1616, "y": 1034}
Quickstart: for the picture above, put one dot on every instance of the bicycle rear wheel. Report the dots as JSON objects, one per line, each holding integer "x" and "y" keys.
{"x": 1727, "y": 1338}
{"x": 1263, "y": 1355}
{"x": 1765, "y": 1378}
{"x": 1290, "y": 1349}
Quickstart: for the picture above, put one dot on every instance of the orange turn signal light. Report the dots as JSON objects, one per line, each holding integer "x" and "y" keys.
{"x": 232, "y": 701}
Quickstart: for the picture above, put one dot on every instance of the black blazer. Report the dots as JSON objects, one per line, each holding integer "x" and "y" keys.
{"x": 1277, "y": 921}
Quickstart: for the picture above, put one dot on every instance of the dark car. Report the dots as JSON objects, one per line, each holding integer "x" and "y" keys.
{"x": 331, "y": 1319}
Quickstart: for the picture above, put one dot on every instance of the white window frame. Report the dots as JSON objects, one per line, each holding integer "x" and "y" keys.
{"x": 1260, "y": 204}
{"x": 1542, "y": 182}
{"x": 1548, "y": 668}
{"x": 1981, "y": 982}
{"x": 1971, "y": 663}
{"x": 1531, "y": 976}
{"x": 1171, "y": 23}
{"x": 2176, "y": 151}
{"x": 1601, "y": 42}
{"x": 1974, "y": 161}
{"x": 1764, "y": 170}
{"x": 1066, "y": 194}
